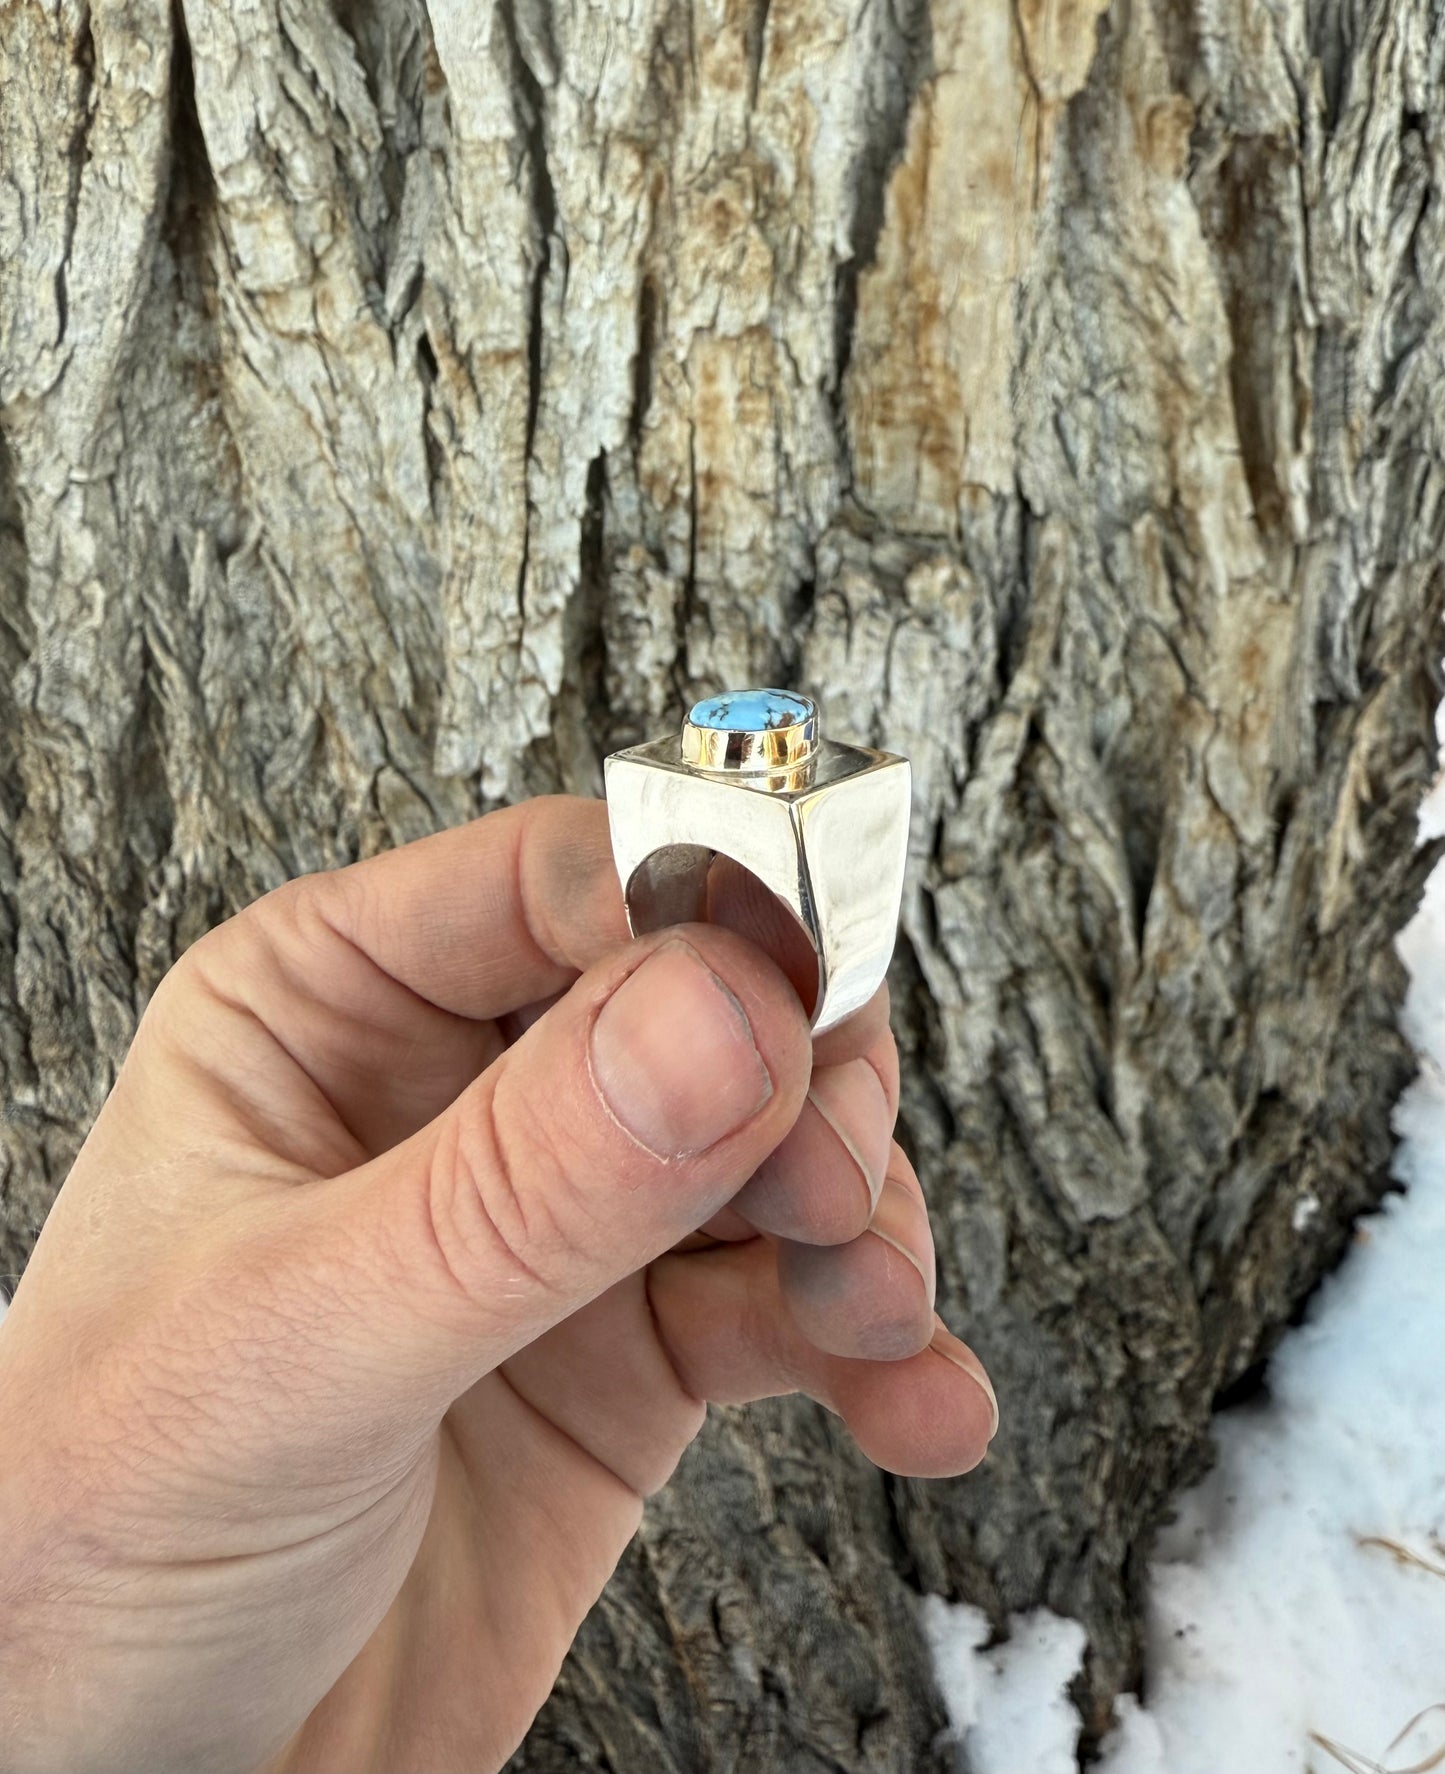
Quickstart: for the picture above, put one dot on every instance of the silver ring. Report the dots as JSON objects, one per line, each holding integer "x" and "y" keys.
{"x": 823, "y": 825}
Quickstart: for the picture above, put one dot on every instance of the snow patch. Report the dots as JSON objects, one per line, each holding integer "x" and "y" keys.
{"x": 1298, "y": 1598}
{"x": 1296, "y": 1609}
{"x": 1008, "y": 1706}
{"x": 1297, "y": 1604}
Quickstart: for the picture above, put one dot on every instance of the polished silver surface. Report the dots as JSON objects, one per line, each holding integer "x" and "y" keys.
{"x": 823, "y": 825}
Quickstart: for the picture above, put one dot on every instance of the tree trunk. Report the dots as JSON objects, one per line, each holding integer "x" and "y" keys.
{"x": 404, "y": 402}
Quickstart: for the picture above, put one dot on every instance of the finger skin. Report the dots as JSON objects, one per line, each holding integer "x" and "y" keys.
{"x": 731, "y": 1338}
{"x": 528, "y": 1197}
{"x": 822, "y": 1183}
{"x": 383, "y": 983}
{"x": 724, "y": 1328}
{"x": 863, "y": 1032}
{"x": 873, "y": 1297}
{"x": 604, "y": 1379}
{"x": 490, "y": 916}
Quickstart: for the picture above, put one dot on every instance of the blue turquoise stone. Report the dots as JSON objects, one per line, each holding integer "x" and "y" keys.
{"x": 751, "y": 711}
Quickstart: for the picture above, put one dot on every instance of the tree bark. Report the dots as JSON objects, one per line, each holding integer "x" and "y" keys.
{"x": 404, "y": 402}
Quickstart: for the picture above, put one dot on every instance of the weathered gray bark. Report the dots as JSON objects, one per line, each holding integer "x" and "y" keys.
{"x": 403, "y": 402}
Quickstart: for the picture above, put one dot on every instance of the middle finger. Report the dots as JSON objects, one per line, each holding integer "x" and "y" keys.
{"x": 822, "y": 1184}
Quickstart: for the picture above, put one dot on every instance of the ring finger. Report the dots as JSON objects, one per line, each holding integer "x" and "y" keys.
{"x": 731, "y": 1337}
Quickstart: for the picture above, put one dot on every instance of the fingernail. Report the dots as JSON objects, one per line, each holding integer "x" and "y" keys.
{"x": 850, "y": 1099}
{"x": 673, "y": 1055}
{"x": 949, "y": 1347}
{"x": 901, "y": 1220}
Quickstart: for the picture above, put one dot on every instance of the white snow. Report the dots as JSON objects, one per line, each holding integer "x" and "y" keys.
{"x": 1296, "y": 1608}
{"x": 1008, "y": 1708}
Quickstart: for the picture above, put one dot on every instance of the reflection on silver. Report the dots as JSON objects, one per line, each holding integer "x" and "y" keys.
{"x": 823, "y": 825}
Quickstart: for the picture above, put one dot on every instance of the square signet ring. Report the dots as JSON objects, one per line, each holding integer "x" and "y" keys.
{"x": 823, "y": 825}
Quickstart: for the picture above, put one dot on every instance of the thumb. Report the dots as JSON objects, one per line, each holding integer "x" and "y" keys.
{"x": 620, "y": 1121}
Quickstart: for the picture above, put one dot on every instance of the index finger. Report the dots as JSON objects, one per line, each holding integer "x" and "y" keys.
{"x": 501, "y": 913}
{"x": 383, "y": 982}
{"x": 487, "y": 917}
{"x": 378, "y": 986}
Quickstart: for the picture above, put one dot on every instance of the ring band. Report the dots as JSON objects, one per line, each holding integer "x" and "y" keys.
{"x": 823, "y": 825}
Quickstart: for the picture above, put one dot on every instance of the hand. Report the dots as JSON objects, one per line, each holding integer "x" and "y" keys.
{"x": 376, "y": 1303}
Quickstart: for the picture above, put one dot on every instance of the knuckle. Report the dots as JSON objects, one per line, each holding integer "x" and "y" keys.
{"x": 249, "y": 940}
{"x": 261, "y": 934}
{"x": 181, "y": 1002}
{"x": 493, "y": 1196}
{"x": 230, "y": 961}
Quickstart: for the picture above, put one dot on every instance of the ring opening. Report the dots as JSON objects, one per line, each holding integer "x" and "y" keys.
{"x": 691, "y": 884}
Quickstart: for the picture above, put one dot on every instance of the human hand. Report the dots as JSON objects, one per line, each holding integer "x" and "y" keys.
{"x": 377, "y": 1301}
